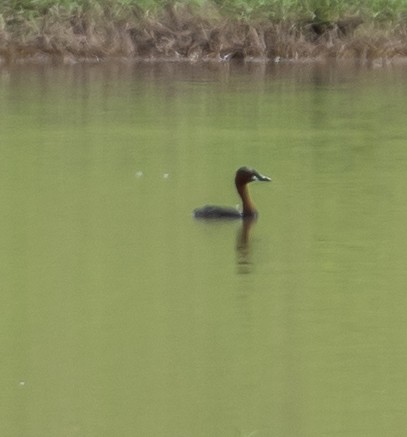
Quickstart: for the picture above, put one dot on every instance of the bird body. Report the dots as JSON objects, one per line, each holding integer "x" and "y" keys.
{"x": 244, "y": 176}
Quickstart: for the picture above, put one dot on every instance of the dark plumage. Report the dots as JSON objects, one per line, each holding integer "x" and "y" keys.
{"x": 244, "y": 176}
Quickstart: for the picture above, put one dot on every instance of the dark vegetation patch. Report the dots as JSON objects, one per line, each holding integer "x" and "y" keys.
{"x": 218, "y": 30}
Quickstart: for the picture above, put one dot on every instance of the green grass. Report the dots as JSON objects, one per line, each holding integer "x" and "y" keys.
{"x": 377, "y": 10}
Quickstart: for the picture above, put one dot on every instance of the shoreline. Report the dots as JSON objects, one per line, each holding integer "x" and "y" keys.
{"x": 58, "y": 60}
{"x": 179, "y": 33}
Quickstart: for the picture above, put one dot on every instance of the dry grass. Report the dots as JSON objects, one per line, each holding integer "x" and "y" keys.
{"x": 183, "y": 32}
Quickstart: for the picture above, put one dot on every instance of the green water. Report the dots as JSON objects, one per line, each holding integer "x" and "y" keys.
{"x": 121, "y": 315}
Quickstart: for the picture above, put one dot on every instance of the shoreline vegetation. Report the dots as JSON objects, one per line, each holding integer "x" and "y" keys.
{"x": 70, "y": 31}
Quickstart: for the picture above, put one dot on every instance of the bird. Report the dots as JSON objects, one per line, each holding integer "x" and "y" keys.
{"x": 244, "y": 175}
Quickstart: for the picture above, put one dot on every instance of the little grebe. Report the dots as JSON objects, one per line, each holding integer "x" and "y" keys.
{"x": 243, "y": 176}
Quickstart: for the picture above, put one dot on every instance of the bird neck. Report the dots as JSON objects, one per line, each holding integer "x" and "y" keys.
{"x": 249, "y": 209}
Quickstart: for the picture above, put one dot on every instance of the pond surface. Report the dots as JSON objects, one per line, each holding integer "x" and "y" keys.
{"x": 121, "y": 315}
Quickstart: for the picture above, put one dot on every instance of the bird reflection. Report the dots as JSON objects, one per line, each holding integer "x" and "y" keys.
{"x": 244, "y": 263}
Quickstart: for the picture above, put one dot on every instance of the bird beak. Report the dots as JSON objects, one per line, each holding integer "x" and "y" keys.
{"x": 260, "y": 177}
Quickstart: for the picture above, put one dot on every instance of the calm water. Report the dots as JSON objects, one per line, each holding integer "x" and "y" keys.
{"x": 121, "y": 315}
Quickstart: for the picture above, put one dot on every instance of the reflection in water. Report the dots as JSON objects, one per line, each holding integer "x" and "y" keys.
{"x": 244, "y": 263}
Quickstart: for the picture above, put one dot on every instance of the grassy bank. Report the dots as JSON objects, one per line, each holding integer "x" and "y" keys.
{"x": 70, "y": 30}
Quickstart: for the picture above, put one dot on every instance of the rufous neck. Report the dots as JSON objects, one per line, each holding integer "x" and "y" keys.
{"x": 249, "y": 209}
